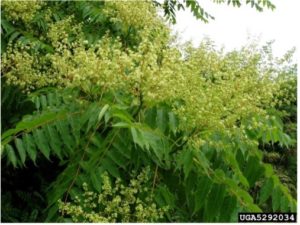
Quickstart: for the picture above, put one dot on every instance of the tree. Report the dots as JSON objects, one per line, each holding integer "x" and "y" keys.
{"x": 171, "y": 6}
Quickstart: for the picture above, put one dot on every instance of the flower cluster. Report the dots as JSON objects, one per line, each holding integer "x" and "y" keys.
{"x": 21, "y": 10}
{"x": 207, "y": 88}
{"x": 26, "y": 70}
{"x": 116, "y": 202}
{"x": 141, "y": 14}
{"x": 62, "y": 31}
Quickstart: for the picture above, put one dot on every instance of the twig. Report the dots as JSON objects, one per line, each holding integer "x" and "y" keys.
{"x": 154, "y": 179}
{"x": 81, "y": 159}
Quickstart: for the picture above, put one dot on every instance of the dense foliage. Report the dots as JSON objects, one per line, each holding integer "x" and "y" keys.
{"x": 170, "y": 7}
{"x": 106, "y": 119}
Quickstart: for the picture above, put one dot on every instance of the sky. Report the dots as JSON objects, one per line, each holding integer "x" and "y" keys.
{"x": 233, "y": 26}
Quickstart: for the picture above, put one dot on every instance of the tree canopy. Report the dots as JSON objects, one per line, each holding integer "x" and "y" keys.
{"x": 171, "y": 6}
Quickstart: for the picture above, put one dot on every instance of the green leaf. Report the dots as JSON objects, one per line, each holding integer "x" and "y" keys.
{"x": 244, "y": 195}
{"x": 253, "y": 208}
{"x": 89, "y": 113}
{"x": 203, "y": 187}
{"x": 173, "y": 122}
{"x": 51, "y": 99}
{"x": 286, "y": 140}
{"x": 94, "y": 116}
{"x": 75, "y": 128}
{"x": 227, "y": 209}
{"x": 231, "y": 159}
{"x": 44, "y": 103}
{"x": 121, "y": 125}
{"x": 14, "y": 35}
{"x": 102, "y": 112}
{"x": 276, "y": 195}
{"x": 168, "y": 196}
{"x": 37, "y": 103}
{"x": 266, "y": 190}
{"x": 42, "y": 143}
{"x": 117, "y": 158}
{"x": 253, "y": 170}
{"x": 65, "y": 133}
{"x": 30, "y": 146}
{"x": 150, "y": 117}
{"x": 110, "y": 167}
{"x": 54, "y": 140}
{"x": 30, "y": 123}
{"x": 203, "y": 162}
{"x": 119, "y": 146}
{"x": 243, "y": 180}
{"x": 52, "y": 212}
{"x": 11, "y": 155}
{"x": 21, "y": 150}
{"x": 6, "y": 137}
{"x": 38, "y": 121}
{"x": 214, "y": 202}
{"x": 137, "y": 137}
{"x": 293, "y": 206}
{"x": 96, "y": 180}
{"x": 151, "y": 139}
{"x": 284, "y": 204}
{"x": 187, "y": 162}
{"x": 268, "y": 170}
{"x": 161, "y": 120}
{"x": 97, "y": 141}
